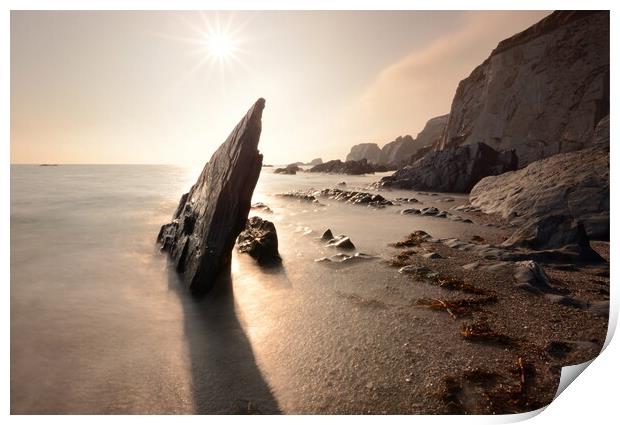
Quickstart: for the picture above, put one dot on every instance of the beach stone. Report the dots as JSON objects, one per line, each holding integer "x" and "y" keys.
{"x": 471, "y": 266}
{"x": 530, "y": 276}
{"x": 260, "y": 240}
{"x": 561, "y": 233}
{"x": 261, "y": 207}
{"x": 341, "y": 242}
{"x": 410, "y": 211}
{"x": 327, "y": 235}
{"x": 202, "y": 234}
{"x": 414, "y": 270}
{"x": 432, "y": 256}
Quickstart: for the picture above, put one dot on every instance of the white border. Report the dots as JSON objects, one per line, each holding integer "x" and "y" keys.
{"x": 593, "y": 397}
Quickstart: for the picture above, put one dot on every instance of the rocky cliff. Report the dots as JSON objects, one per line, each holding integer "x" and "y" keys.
{"x": 399, "y": 151}
{"x": 541, "y": 92}
{"x": 432, "y": 133}
{"x": 367, "y": 151}
{"x": 211, "y": 215}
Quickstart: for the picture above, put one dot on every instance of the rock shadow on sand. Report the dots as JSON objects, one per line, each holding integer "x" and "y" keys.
{"x": 225, "y": 377}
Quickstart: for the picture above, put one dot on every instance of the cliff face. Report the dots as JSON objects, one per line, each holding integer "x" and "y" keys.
{"x": 398, "y": 150}
{"x": 368, "y": 151}
{"x": 432, "y": 132}
{"x": 541, "y": 92}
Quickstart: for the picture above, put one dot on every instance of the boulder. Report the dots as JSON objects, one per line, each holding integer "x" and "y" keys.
{"x": 315, "y": 161}
{"x": 368, "y": 151}
{"x": 202, "y": 234}
{"x": 540, "y": 92}
{"x": 452, "y": 170}
{"x": 341, "y": 242}
{"x": 327, "y": 235}
{"x": 553, "y": 232}
{"x": 574, "y": 184}
{"x": 260, "y": 240}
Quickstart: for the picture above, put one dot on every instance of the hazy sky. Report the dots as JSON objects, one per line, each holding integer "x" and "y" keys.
{"x": 155, "y": 87}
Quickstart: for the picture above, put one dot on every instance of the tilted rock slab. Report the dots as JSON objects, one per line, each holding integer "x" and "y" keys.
{"x": 202, "y": 234}
{"x": 540, "y": 92}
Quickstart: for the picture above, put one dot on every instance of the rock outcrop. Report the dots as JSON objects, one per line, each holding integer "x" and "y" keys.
{"x": 315, "y": 161}
{"x": 541, "y": 92}
{"x": 202, "y": 234}
{"x": 452, "y": 170}
{"x": 575, "y": 184}
{"x": 432, "y": 133}
{"x": 368, "y": 151}
{"x": 398, "y": 150}
{"x": 291, "y": 169}
{"x": 260, "y": 240}
{"x": 349, "y": 167}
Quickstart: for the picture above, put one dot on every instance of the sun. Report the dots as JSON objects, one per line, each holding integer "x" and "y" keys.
{"x": 220, "y": 46}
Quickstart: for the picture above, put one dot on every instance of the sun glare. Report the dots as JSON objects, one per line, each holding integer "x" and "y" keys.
{"x": 220, "y": 46}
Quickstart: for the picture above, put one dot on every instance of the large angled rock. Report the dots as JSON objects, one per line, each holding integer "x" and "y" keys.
{"x": 452, "y": 170}
{"x": 202, "y": 234}
{"x": 540, "y": 92}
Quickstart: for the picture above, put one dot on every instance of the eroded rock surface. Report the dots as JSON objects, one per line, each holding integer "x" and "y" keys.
{"x": 202, "y": 234}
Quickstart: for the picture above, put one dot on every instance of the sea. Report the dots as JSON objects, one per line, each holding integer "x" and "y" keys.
{"x": 101, "y": 324}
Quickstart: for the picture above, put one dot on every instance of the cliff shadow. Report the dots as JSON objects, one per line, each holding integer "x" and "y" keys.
{"x": 224, "y": 373}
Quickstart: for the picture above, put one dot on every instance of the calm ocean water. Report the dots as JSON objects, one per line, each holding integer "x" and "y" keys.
{"x": 99, "y": 324}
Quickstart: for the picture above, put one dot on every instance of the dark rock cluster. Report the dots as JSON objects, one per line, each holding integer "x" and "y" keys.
{"x": 291, "y": 169}
{"x": 349, "y": 167}
{"x": 452, "y": 170}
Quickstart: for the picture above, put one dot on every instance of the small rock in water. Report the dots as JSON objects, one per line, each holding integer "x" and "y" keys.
{"x": 410, "y": 211}
{"x": 327, "y": 235}
{"x": 260, "y": 240}
{"x": 262, "y": 207}
{"x": 341, "y": 242}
